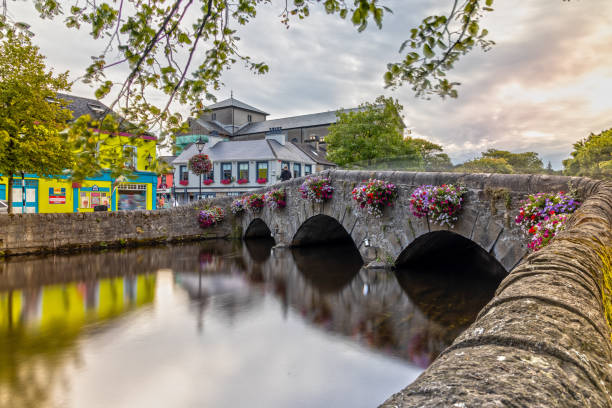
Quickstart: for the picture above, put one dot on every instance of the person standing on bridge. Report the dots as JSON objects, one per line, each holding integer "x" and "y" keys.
{"x": 285, "y": 173}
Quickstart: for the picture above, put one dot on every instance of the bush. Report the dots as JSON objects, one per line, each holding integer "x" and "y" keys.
{"x": 541, "y": 216}
{"x": 238, "y": 206}
{"x": 211, "y": 216}
{"x": 316, "y": 189}
{"x": 375, "y": 196}
{"x": 276, "y": 199}
{"x": 440, "y": 203}
{"x": 255, "y": 202}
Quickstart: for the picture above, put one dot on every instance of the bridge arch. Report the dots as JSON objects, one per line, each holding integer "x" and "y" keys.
{"x": 448, "y": 250}
{"x": 257, "y": 228}
{"x": 320, "y": 229}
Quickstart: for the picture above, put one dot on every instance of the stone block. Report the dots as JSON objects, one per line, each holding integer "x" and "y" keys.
{"x": 486, "y": 232}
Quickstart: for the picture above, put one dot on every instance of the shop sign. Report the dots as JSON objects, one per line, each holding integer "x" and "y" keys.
{"x": 95, "y": 188}
{"x": 57, "y": 195}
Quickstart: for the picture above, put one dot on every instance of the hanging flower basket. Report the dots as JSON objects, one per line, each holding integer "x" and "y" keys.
{"x": 543, "y": 215}
{"x": 255, "y": 202}
{"x": 226, "y": 181}
{"x": 211, "y": 216}
{"x": 262, "y": 180}
{"x": 200, "y": 164}
{"x": 375, "y": 196}
{"x": 208, "y": 182}
{"x": 184, "y": 182}
{"x": 440, "y": 203}
{"x": 242, "y": 181}
{"x": 238, "y": 206}
{"x": 317, "y": 189}
{"x": 276, "y": 199}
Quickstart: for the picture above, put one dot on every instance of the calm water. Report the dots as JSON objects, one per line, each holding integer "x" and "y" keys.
{"x": 222, "y": 324}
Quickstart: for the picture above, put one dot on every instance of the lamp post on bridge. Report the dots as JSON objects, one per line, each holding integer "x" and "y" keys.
{"x": 200, "y": 146}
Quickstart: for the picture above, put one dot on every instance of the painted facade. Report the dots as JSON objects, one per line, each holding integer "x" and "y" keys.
{"x": 58, "y": 194}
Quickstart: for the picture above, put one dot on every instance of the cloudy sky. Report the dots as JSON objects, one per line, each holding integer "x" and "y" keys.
{"x": 546, "y": 84}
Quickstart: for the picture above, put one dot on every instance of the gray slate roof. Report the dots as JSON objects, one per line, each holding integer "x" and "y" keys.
{"x": 85, "y": 106}
{"x": 319, "y": 156}
{"x": 235, "y": 103}
{"x": 245, "y": 150}
{"x": 292, "y": 122}
{"x": 166, "y": 159}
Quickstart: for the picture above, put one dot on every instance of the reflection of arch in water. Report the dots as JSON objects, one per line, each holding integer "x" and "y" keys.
{"x": 259, "y": 249}
{"x": 320, "y": 229}
{"x": 448, "y": 277}
{"x": 328, "y": 268}
{"x": 257, "y": 229}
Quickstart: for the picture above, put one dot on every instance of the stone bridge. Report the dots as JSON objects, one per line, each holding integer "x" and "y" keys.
{"x": 485, "y": 226}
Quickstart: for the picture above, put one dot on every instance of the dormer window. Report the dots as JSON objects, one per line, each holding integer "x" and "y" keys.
{"x": 98, "y": 109}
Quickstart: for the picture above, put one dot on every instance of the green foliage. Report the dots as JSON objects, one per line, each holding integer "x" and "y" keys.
{"x": 374, "y": 131}
{"x": 433, "y": 157}
{"x": 485, "y": 165}
{"x": 436, "y": 45}
{"x": 502, "y": 161}
{"x": 592, "y": 157}
{"x": 30, "y": 138}
{"x": 527, "y": 162}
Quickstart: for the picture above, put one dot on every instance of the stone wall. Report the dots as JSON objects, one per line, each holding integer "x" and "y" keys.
{"x": 543, "y": 340}
{"x": 41, "y": 233}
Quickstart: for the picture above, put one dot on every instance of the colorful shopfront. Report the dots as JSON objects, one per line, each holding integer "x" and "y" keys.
{"x": 59, "y": 195}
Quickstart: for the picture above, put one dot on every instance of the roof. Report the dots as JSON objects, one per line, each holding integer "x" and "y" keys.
{"x": 85, "y": 106}
{"x": 166, "y": 159}
{"x": 319, "y": 156}
{"x": 236, "y": 104}
{"x": 302, "y": 121}
{"x": 245, "y": 150}
{"x": 96, "y": 110}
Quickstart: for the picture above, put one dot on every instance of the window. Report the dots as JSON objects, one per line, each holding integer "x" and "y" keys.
{"x": 307, "y": 169}
{"x": 183, "y": 173}
{"x": 130, "y": 152}
{"x": 163, "y": 179}
{"x": 249, "y": 118}
{"x": 210, "y": 175}
{"x": 243, "y": 171}
{"x": 214, "y": 116}
{"x": 262, "y": 170}
{"x": 226, "y": 171}
{"x": 294, "y": 140}
{"x": 297, "y": 170}
{"x": 234, "y": 193}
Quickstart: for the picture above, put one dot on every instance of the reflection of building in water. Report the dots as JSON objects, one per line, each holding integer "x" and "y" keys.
{"x": 73, "y": 304}
{"x": 40, "y": 329}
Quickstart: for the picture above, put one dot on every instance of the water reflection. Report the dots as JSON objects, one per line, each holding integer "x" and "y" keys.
{"x": 259, "y": 326}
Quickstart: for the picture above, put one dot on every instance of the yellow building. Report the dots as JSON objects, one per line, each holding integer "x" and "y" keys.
{"x": 33, "y": 194}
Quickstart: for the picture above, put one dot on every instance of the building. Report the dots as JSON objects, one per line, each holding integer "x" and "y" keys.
{"x": 236, "y": 120}
{"x": 57, "y": 194}
{"x": 239, "y": 166}
{"x": 165, "y": 183}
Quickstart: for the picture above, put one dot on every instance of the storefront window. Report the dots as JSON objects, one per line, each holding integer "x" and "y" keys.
{"x": 132, "y": 197}
{"x": 307, "y": 169}
{"x": 297, "y": 170}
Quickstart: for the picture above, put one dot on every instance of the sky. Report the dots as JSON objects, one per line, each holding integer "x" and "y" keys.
{"x": 545, "y": 84}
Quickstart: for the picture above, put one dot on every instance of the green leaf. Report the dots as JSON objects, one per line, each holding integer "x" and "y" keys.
{"x": 427, "y": 51}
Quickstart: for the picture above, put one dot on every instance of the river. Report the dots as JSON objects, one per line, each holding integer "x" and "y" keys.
{"x": 222, "y": 324}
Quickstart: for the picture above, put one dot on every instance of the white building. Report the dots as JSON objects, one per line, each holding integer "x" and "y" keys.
{"x": 239, "y": 166}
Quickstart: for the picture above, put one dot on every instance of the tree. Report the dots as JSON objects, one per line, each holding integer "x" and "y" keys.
{"x": 527, "y": 163}
{"x": 30, "y": 138}
{"x": 433, "y": 157}
{"x": 592, "y": 157}
{"x": 374, "y": 131}
{"x": 149, "y": 41}
{"x": 486, "y": 165}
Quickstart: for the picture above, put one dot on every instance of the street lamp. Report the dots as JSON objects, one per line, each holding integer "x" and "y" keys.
{"x": 200, "y": 146}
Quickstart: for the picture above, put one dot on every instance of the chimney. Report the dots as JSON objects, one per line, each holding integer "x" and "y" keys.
{"x": 276, "y": 133}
